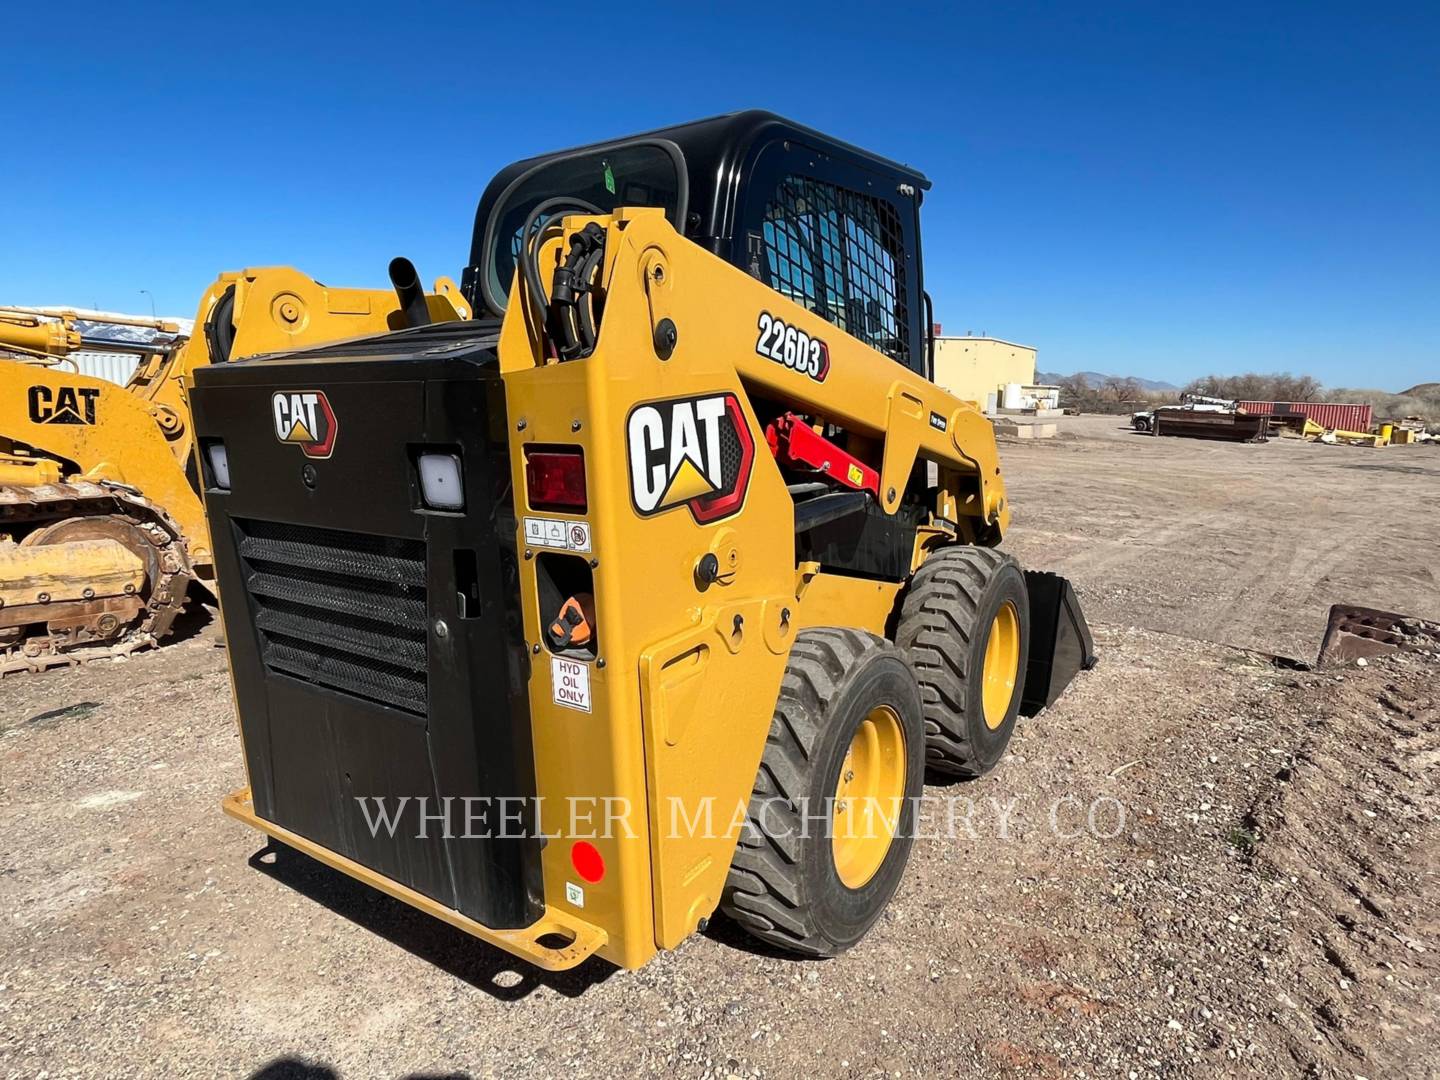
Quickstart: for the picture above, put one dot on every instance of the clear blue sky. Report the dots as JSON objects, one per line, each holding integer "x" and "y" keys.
{"x": 1162, "y": 189}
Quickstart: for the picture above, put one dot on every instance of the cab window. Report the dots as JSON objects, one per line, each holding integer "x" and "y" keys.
{"x": 638, "y": 174}
{"x": 839, "y": 253}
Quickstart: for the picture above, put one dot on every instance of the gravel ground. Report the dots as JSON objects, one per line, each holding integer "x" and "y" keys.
{"x": 1236, "y": 543}
{"x": 1266, "y": 904}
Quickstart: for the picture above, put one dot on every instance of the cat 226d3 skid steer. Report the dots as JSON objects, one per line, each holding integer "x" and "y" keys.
{"x": 655, "y": 588}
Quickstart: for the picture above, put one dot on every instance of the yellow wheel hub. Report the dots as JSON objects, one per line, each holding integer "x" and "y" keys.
{"x": 869, "y": 796}
{"x": 1002, "y": 665}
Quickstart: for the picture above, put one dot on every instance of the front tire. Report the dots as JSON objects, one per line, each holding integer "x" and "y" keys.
{"x": 830, "y": 820}
{"x": 965, "y": 624}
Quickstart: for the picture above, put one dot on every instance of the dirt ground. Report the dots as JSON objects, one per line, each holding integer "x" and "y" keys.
{"x": 1233, "y": 543}
{"x": 1254, "y": 889}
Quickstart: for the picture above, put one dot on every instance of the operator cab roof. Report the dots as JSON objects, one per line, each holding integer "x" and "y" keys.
{"x": 698, "y": 172}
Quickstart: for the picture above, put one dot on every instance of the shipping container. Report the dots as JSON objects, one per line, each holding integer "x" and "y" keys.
{"x": 1328, "y": 415}
{"x": 110, "y": 366}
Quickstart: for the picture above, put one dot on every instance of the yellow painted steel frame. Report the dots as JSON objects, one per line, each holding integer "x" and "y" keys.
{"x": 583, "y": 937}
{"x": 682, "y": 703}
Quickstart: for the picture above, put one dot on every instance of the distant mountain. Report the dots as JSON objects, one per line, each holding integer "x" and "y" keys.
{"x": 1095, "y": 378}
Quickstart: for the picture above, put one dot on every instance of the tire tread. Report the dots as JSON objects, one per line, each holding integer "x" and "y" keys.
{"x": 938, "y": 621}
{"x": 764, "y": 892}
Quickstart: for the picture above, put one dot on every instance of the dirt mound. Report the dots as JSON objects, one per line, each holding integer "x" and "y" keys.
{"x": 1349, "y": 825}
{"x": 1269, "y": 908}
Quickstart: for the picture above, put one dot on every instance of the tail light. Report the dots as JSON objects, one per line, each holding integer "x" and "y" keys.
{"x": 555, "y": 479}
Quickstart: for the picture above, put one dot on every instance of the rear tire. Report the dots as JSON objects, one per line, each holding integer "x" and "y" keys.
{"x": 785, "y": 885}
{"x": 960, "y": 601}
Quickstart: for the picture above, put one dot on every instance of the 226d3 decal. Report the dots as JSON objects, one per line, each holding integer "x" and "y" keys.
{"x": 694, "y": 451}
{"x": 305, "y": 418}
{"x": 785, "y": 344}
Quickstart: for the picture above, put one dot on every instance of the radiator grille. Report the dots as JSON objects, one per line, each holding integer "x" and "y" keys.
{"x": 342, "y": 610}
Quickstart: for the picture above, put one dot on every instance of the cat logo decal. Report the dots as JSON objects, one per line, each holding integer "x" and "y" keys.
{"x": 694, "y": 452}
{"x": 305, "y": 419}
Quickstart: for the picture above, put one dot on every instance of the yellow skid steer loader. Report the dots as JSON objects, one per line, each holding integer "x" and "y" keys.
{"x": 651, "y": 591}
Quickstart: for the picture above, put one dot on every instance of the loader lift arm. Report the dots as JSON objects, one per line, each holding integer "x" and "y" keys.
{"x": 897, "y": 414}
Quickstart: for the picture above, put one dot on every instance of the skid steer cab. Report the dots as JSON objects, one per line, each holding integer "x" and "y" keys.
{"x": 653, "y": 590}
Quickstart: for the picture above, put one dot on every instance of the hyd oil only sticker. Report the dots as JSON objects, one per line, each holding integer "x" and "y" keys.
{"x": 557, "y": 533}
{"x": 570, "y": 683}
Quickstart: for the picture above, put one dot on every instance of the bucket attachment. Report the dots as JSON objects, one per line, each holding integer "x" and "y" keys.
{"x": 1353, "y": 632}
{"x": 1060, "y": 643}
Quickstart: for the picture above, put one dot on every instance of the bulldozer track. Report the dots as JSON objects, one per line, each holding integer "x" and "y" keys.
{"x": 41, "y": 504}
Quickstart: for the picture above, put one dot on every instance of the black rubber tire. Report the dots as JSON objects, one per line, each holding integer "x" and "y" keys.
{"x": 944, "y": 626}
{"x": 220, "y": 327}
{"x": 783, "y": 887}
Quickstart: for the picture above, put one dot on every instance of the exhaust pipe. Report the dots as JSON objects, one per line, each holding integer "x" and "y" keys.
{"x": 406, "y": 280}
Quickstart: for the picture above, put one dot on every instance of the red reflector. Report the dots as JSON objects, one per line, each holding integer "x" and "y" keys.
{"x": 555, "y": 479}
{"x": 587, "y": 861}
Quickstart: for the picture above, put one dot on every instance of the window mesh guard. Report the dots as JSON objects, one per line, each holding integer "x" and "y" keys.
{"x": 840, "y": 254}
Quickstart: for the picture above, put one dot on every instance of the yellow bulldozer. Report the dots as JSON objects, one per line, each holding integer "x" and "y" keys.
{"x": 651, "y": 591}
{"x": 102, "y": 532}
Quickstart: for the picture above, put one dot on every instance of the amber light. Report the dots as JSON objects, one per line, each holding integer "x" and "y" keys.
{"x": 555, "y": 480}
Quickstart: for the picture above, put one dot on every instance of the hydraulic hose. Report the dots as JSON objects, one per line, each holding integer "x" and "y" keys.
{"x": 572, "y": 300}
{"x": 562, "y": 324}
{"x": 534, "y": 227}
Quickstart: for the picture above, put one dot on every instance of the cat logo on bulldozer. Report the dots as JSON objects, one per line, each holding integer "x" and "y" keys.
{"x": 63, "y": 404}
{"x": 694, "y": 452}
{"x": 305, "y": 419}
